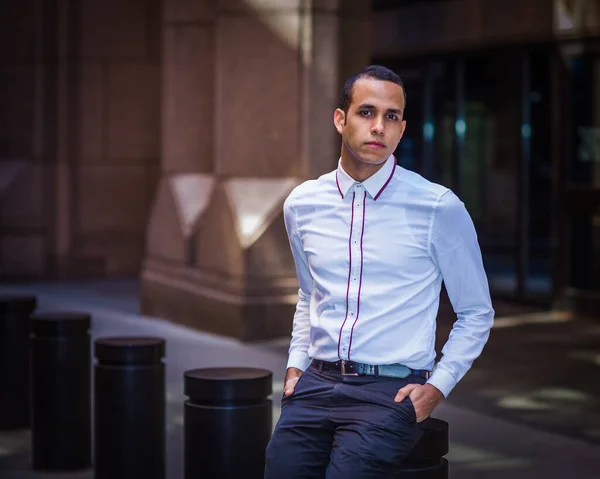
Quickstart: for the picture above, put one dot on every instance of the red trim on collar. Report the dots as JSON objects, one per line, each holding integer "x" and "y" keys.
{"x": 386, "y": 183}
{"x": 338, "y": 184}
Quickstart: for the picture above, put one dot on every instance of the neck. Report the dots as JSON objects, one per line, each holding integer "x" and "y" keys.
{"x": 358, "y": 169}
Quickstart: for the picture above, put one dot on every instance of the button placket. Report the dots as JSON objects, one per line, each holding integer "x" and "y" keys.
{"x": 359, "y": 268}
{"x": 354, "y": 272}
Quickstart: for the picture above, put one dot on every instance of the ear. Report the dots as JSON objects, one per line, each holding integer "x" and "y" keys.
{"x": 403, "y": 125}
{"x": 339, "y": 118}
{"x": 403, "y": 128}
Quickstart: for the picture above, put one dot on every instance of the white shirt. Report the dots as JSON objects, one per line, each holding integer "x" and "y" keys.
{"x": 370, "y": 259}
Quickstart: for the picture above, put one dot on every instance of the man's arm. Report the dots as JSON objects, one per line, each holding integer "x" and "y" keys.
{"x": 298, "y": 359}
{"x": 455, "y": 250}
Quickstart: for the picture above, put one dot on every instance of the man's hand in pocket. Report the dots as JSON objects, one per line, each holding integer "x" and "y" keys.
{"x": 425, "y": 398}
{"x": 291, "y": 378}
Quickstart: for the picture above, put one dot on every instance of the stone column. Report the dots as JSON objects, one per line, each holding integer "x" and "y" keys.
{"x": 79, "y": 110}
{"x": 116, "y": 131}
{"x": 248, "y": 116}
{"x": 24, "y": 158}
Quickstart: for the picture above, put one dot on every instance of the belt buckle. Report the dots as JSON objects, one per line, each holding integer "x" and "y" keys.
{"x": 344, "y": 373}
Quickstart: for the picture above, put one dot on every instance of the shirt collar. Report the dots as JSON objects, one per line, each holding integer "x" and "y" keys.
{"x": 374, "y": 184}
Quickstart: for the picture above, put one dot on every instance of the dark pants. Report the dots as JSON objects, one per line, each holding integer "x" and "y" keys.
{"x": 348, "y": 427}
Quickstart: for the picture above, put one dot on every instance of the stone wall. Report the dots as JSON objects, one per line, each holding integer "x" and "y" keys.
{"x": 249, "y": 94}
{"x": 79, "y": 135}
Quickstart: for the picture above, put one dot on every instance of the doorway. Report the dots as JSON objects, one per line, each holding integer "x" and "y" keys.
{"x": 480, "y": 124}
{"x": 582, "y": 61}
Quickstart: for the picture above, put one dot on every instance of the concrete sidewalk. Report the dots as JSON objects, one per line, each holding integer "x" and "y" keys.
{"x": 481, "y": 446}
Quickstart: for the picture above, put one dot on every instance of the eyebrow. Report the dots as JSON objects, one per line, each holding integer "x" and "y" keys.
{"x": 366, "y": 106}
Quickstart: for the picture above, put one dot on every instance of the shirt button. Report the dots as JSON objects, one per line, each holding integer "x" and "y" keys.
{"x": 357, "y": 205}
{"x": 351, "y": 314}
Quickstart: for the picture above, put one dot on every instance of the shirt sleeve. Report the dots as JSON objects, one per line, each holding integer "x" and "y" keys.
{"x": 455, "y": 250}
{"x": 298, "y": 352}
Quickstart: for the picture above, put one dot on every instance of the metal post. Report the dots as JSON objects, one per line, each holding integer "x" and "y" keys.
{"x": 227, "y": 422}
{"x": 14, "y": 360}
{"x": 460, "y": 127}
{"x": 523, "y": 228}
{"x": 61, "y": 429}
{"x": 129, "y": 408}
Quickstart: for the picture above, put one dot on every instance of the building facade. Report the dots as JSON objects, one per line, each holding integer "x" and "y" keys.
{"x": 504, "y": 108}
{"x": 158, "y": 139}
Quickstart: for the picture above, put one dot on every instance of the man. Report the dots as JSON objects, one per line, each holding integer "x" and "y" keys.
{"x": 372, "y": 243}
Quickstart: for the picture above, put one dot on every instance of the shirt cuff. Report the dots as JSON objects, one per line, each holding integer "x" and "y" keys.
{"x": 298, "y": 359}
{"x": 442, "y": 380}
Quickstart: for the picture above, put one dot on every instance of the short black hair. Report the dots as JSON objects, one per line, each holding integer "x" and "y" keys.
{"x": 376, "y": 72}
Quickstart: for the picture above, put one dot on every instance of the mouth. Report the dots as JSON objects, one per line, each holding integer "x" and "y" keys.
{"x": 375, "y": 144}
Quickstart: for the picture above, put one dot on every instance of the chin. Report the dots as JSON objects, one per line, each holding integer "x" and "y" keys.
{"x": 375, "y": 160}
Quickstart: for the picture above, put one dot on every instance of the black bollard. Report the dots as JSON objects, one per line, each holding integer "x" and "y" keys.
{"x": 61, "y": 415}
{"x": 14, "y": 360}
{"x": 228, "y": 421}
{"x": 129, "y": 408}
{"x": 426, "y": 460}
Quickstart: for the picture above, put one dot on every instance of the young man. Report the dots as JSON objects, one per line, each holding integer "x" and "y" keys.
{"x": 372, "y": 243}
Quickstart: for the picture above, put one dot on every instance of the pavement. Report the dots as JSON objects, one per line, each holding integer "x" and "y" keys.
{"x": 529, "y": 407}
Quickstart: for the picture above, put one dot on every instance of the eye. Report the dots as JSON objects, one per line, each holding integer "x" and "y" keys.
{"x": 364, "y": 113}
{"x": 392, "y": 117}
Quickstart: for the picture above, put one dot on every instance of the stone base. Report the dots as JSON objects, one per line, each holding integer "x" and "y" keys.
{"x": 247, "y": 322}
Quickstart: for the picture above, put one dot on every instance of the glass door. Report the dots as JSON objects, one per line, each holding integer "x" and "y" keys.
{"x": 409, "y": 153}
{"x": 481, "y": 125}
{"x": 583, "y": 188}
{"x": 490, "y": 172}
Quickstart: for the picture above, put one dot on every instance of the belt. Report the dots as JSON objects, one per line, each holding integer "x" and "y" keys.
{"x": 352, "y": 368}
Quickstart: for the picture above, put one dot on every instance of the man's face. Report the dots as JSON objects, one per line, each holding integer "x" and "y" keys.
{"x": 373, "y": 126}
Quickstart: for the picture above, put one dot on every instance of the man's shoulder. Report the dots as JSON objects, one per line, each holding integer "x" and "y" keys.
{"x": 418, "y": 182}
{"x": 310, "y": 187}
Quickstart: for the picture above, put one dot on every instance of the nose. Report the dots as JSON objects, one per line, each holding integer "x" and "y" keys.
{"x": 377, "y": 126}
